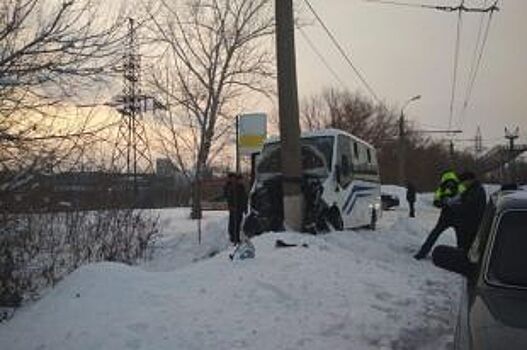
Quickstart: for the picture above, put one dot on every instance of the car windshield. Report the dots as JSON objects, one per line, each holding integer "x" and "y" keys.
{"x": 508, "y": 260}
{"x": 317, "y": 153}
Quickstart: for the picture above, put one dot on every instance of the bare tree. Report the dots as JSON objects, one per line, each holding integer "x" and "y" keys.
{"x": 378, "y": 124}
{"x": 51, "y": 52}
{"x": 354, "y": 113}
{"x": 214, "y": 52}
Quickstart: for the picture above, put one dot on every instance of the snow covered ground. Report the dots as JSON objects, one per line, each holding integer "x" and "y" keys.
{"x": 179, "y": 244}
{"x": 346, "y": 290}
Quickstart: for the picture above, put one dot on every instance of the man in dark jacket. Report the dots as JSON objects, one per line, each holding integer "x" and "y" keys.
{"x": 449, "y": 188}
{"x": 410, "y": 197}
{"x": 469, "y": 208}
{"x": 234, "y": 192}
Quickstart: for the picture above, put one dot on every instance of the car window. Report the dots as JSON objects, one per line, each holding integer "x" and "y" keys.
{"x": 478, "y": 247}
{"x": 508, "y": 261}
{"x": 344, "y": 160}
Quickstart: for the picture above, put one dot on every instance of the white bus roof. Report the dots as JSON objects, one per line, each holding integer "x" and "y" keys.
{"x": 322, "y": 132}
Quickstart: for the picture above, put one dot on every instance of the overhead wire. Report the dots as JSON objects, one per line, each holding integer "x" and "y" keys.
{"x": 473, "y": 76}
{"x": 339, "y": 47}
{"x": 461, "y": 7}
{"x": 478, "y": 49}
{"x": 456, "y": 60}
{"x": 404, "y": 4}
{"x": 478, "y": 43}
{"x": 320, "y": 56}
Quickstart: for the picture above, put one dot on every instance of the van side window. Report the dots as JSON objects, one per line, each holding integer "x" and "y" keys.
{"x": 344, "y": 160}
{"x": 365, "y": 166}
{"x": 356, "y": 150}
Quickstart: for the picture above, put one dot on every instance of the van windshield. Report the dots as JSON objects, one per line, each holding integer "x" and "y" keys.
{"x": 317, "y": 153}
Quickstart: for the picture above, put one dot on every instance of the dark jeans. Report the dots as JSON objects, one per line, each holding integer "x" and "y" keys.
{"x": 465, "y": 239}
{"x": 235, "y": 220}
{"x": 454, "y": 259}
{"x": 412, "y": 209}
{"x": 444, "y": 222}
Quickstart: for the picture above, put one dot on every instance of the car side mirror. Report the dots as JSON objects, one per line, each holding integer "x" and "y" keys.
{"x": 454, "y": 260}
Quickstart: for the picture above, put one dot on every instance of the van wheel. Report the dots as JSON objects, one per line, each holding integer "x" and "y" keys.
{"x": 335, "y": 219}
{"x": 373, "y": 223}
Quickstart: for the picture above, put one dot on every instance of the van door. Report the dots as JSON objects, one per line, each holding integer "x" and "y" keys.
{"x": 344, "y": 173}
{"x": 365, "y": 190}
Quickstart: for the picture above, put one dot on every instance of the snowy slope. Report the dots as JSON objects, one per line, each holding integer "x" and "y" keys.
{"x": 179, "y": 245}
{"x": 347, "y": 290}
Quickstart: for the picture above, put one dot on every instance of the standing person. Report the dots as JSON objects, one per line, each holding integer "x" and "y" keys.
{"x": 469, "y": 208}
{"x": 449, "y": 188}
{"x": 234, "y": 191}
{"x": 410, "y": 197}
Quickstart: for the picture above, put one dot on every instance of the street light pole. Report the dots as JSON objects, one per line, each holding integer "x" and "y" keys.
{"x": 237, "y": 161}
{"x": 402, "y": 142}
{"x": 512, "y": 135}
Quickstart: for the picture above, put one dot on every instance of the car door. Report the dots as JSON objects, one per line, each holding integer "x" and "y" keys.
{"x": 462, "y": 336}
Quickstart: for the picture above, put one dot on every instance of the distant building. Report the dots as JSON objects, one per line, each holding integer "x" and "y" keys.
{"x": 166, "y": 168}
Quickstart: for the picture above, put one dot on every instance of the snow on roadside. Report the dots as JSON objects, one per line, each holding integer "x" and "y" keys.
{"x": 178, "y": 244}
{"x": 347, "y": 290}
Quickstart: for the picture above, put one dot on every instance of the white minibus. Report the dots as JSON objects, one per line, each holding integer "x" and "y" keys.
{"x": 340, "y": 183}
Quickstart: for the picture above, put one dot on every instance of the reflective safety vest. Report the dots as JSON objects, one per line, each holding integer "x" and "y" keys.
{"x": 449, "y": 187}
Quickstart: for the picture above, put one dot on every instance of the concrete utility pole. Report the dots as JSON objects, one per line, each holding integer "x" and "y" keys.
{"x": 288, "y": 115}
{"x": 402, "y": 143}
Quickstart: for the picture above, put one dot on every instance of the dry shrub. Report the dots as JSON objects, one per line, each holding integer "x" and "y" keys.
{"x": 37, "y": 250}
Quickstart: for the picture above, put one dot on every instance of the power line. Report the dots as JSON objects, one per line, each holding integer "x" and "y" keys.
{"x": 403, "y": 4}
{"x": 461, "y": 7}
{"x": 456, "y": 59}
{"x": 478, "y": 43}
{"x": 320, "y": 56}
{"x": 476, "y": 58}
{"x": 342, "y": 52}
{"x": 432, "y": 126}
{"x": 472, "y": 78}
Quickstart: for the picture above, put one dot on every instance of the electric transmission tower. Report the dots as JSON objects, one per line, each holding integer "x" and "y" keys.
{"x": 131, "y": 153}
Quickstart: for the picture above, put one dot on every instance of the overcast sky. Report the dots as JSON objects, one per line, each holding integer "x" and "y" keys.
{"x": 404, "y": 51}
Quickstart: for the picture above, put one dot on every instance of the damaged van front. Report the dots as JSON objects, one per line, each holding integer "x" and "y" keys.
{"x": 265, "y": 202}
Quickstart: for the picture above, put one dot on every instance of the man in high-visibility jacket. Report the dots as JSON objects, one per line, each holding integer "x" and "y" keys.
{"x": 449, "y": 188}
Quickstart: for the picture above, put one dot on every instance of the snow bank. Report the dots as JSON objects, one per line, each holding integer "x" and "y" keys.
{"x": 347, "y": 290}
{"x": 179, "y": 245}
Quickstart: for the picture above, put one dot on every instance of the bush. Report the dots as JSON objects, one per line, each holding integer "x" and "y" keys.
{"x": 37, "y": 250}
